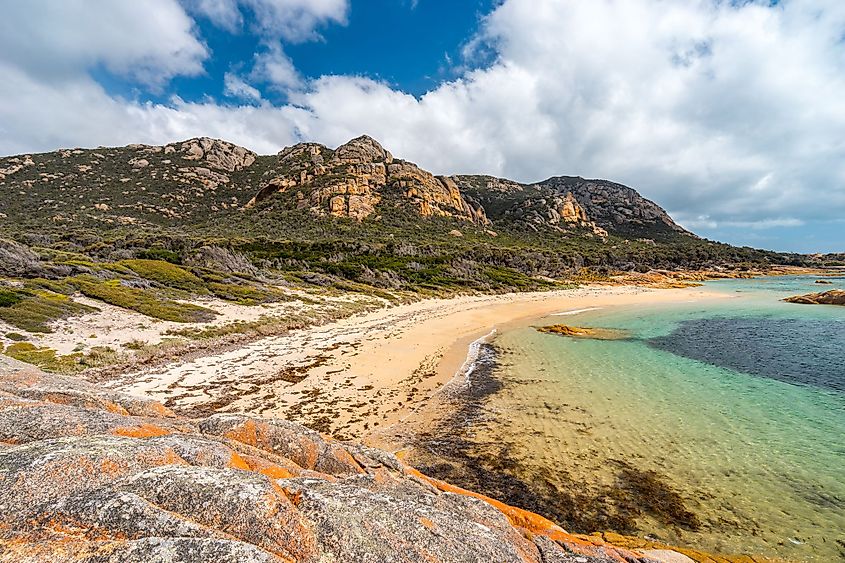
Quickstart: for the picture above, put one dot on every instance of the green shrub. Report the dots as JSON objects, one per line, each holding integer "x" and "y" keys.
{"x": 33, "y": 311}
{"x": 160, "y": 254}
{"x": 10, "y": 297}
{"x": 45, "y": 358}
{"x": 165, "y": 273}
{"x": 246, "y": 294}
{"x": 48, "y": 360}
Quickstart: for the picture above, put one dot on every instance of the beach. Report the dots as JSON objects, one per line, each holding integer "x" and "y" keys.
{"x": 355, "y": 377}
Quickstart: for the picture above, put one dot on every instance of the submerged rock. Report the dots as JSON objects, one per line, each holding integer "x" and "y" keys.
{"x": 584, "y": 332}
{"x": 832, "y": 297}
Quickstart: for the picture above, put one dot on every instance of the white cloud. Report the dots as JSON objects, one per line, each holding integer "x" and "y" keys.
{"x": 729, "y": 114}
{"x": 293, "y": 20}
{"x": 296, "y": 20}
{"x": 235, "y": 87}
{"x": 148, "y": 41}
{"x": 222, "y": 13}
{"x": 275, "y": 68}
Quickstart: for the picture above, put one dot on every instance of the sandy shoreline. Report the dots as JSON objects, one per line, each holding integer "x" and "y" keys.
{"x": 354, "y": 377}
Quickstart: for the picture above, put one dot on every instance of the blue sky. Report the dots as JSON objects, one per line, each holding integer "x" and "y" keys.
{"x": 413, "y": 46}
{"x": 728, "y": 114}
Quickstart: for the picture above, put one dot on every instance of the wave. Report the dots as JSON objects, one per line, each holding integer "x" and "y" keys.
{"x": 574, "y": 312}
{"x": 473, "y": 356}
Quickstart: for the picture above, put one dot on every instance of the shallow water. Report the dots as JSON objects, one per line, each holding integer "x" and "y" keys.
{"x": 738, "y": 405}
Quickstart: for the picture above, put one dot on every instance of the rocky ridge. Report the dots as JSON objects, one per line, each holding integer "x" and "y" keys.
{"x": 92, "y": 475}
{"x": 174, "y": 183}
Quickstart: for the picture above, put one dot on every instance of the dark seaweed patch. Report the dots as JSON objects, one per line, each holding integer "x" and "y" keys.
{"x": 452, "y": 456}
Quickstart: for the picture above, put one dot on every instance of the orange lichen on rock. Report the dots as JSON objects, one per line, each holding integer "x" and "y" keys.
{"x": 237, "y": 462}
{"x": 427, "y": 522}
{"x": 518, "y": 517}
{"x": 115, "y": 408}
{"x": 145, "y": 430}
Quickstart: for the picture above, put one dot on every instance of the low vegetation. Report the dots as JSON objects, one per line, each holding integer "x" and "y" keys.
{"x": 35, "y": 310}
{"x": 145, "y": 301}
{"x": 49, "y": 360}
{"x": 165, "y": 273}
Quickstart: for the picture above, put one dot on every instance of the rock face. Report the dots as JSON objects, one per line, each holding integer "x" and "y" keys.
{"x": 352, "y": 180}
{"x": 216, "y": 154}
{"x": 832, "y": 297}
{"x": 95, "y": 476}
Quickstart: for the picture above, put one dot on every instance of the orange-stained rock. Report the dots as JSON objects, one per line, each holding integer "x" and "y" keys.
{"x": 832, "y": 297}
{"x": 304, "y": 447}
{"x": 357, "y": 177}
{"x": 145, "y": 430}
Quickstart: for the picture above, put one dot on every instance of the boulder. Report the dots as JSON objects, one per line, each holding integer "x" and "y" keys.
{"x": 832, "y": 297}
{"x": 217, "y": 154}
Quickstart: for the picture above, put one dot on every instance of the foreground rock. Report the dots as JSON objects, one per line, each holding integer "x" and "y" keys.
{"x": 96, "y": 476}
{"x": 832, "y": 297}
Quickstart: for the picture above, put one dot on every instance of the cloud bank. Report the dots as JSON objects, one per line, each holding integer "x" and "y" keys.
{"x": 731, "y": 115}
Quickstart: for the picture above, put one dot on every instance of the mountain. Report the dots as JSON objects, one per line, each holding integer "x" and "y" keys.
{"x": 359, "y": 176}
{"x": 189, "y": 182}
{"x": 355, "y": 212}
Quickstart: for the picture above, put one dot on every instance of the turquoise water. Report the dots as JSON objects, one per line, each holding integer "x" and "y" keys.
{"x": 738, "y": 404}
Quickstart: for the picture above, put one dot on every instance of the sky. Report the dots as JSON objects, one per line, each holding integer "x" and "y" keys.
{"x": 728, "y": 113}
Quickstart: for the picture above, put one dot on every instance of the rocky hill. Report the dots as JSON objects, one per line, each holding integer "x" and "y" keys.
{"x": 138, "y": 184}
{"x": 88, "y": 475}
{"x": 204, "y": 179}
{"x": 564, "y": 202}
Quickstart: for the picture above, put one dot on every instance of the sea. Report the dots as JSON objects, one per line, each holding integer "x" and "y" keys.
{"x": 717, "y": 424}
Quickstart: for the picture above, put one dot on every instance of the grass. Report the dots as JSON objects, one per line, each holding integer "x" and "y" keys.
{"x": 147, "y": 302}
{"x": 166, "y": 274}
{"x": 35, "y": 310}
{"x": 48, "y": 360}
